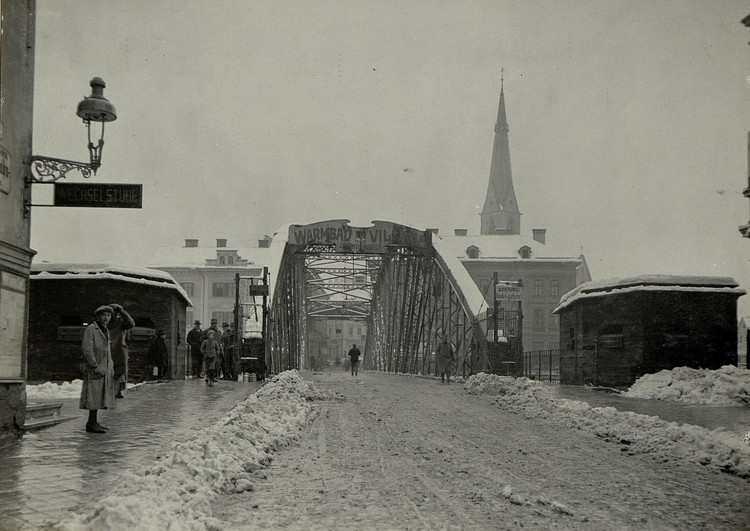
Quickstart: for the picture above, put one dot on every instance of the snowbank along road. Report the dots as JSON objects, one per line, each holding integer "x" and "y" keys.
{"x": 402, "y": 452}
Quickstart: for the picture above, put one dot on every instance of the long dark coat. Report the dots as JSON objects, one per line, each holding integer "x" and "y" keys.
{"x": 118, "y": 327}
{"x": 445, "y": 358}
{"x": 97, "y": 392}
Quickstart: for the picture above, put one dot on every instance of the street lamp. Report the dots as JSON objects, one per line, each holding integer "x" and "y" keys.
{"x": 95, "y": 108}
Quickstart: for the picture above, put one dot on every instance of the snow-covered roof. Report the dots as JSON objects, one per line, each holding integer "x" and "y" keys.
{"x": 193, "y": 257}
{"x": 688, "y": 283}
{"x": 72, "y": 271}
{"x": 505, "y": 247}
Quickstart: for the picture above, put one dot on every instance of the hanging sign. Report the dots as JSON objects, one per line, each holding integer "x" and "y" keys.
{"x": 99, "y": 195}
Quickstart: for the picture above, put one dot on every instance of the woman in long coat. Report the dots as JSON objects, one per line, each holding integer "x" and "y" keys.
{"x": 98, "y": 390}
{"x": 445, "y": 359}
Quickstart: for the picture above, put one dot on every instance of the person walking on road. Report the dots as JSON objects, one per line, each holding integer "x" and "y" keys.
{"x": 227, "y": 360}
{"x": 354, "y": 355}
{"x": 210, "y": 349}
{"x": 158, "y": 356}
{"x": 217, "y": 336}
{"x": 118, "y": 326}
{"x": 195, "y": 339}
{"x": 98, "y": 389}
{"x": 445, "y": 359}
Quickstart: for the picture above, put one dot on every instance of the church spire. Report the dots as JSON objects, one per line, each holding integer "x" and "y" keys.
{"x": 500, "y": 214}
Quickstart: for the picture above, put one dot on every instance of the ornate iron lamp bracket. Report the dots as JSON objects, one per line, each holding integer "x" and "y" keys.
{"x": 50, "y": 170}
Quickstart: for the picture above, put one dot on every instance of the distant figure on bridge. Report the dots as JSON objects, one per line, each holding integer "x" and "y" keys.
{"x": 354, "y": 355}
{"x": 445, "y": 359}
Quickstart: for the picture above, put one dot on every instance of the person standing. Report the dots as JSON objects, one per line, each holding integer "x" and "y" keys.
{"x": 210, "y": 348}
{"x": 195, "y": 339}
{"x": 217, "y": 336}
{"x": 118, "y": 327}
{"x": 158, "y": 356}
{"x": 445, "y": 359}
{"x": 227, "y": 359}
{"x": 98, "y": 389}
{"x": 354, "y": 355}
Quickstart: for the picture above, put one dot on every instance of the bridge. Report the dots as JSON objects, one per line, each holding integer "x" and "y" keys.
{"x": 394, "y": 278}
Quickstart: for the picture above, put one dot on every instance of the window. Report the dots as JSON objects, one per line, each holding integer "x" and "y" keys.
{"x": 338, "y": 331}
{"x": 188, "y": 287}
{"x": 189, "y": 318}
{"x": 359, "y": 330}
{"x": 538, "y": 286}
{"x": 223, "y": 317}
{"x": 222, "y": 260}
{"x": 230, "y": 260}
{"x": 554, "y": 319}
{"x": 222, "y": 289}
{"x": 538, "y": 318}
{"x": 554, "y": 287}
{"x": 351, "y": 331}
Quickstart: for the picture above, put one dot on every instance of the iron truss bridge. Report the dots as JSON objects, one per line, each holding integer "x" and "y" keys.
{"x": 392, "y": 278}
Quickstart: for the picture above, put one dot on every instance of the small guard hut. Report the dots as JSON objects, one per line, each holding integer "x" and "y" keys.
{"x": 614, "y": 331}
{"x": 62, "y": 301}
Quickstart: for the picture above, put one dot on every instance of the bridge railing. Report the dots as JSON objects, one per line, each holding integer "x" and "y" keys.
{"x": 543, "y": 365}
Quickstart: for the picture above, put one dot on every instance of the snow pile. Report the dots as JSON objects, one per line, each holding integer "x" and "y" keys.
{"x": 49, "y": 390}
{"x": 726, "y": 386}
{"x": 643, "y": 434}
{"x": 179, "y": 488}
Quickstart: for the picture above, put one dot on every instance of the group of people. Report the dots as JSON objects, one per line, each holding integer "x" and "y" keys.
{"x": 211, "y": 351}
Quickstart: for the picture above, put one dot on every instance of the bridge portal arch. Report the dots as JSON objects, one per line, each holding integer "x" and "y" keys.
{"x": 393, "y": 278}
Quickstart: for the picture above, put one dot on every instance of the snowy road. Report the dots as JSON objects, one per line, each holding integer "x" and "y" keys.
{"x": 410, "y": 453}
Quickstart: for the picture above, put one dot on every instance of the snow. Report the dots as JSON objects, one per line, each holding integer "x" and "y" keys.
{"x": 598, "y": 288}
{"x": 645, "y": 434}
{"x": 53, "y": 391}
{"x": 228, "y": 457}
{"x": 221, "y": 458}
{"x": 725, "y": 386}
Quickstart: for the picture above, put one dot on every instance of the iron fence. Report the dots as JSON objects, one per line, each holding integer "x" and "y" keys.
{"x": 543, "y": 365}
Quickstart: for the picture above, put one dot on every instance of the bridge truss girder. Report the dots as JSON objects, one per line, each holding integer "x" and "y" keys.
{"x": 408, "y": 301}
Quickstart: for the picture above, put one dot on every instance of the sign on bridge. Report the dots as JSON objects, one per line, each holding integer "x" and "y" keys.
{"x": 342, "y": 237}
{"x": 507, "y": 291}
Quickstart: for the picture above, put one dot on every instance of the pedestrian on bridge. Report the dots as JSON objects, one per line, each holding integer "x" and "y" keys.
{"x": 445, "y": 359}
{"x": 354, "y": 355}
{"x": 195, "y": 341}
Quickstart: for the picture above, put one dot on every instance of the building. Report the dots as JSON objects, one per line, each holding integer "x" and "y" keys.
{"x": 545, "y": 274}
{"x": 545, "y": 270}
{"x": 17, "y": 42}
{"x": 208, "y": 275}
{"x": 614, "y": 331}
{"x": 62, "y": 301}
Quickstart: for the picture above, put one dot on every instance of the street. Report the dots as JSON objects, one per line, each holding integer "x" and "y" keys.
{"x": 403, "y": 452}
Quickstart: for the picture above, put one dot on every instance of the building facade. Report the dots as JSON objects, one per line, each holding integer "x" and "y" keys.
{"x": 614, "y": 331}
{"x": 208, "y": 275}
{"x": 62, "y": 301}
{"x": 17, "y": 43}
{"x": 503, "y": 249}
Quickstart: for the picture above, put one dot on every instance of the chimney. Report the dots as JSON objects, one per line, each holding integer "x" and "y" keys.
{"x": 460, "y": 232}
{"x": 540, "y": 235}
{"x": 434, "y": 231}
{"x": 265, "y": 243}
{"x": 191, "y": 243}
{"x": 221, "y": 242}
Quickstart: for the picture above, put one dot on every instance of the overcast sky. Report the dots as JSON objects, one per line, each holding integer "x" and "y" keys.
{"x": 628, "y": 122}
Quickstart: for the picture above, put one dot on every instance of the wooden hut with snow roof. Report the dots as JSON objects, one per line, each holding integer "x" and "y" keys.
{"x": 614, "y": 331}
{"x": 62, "y": 301}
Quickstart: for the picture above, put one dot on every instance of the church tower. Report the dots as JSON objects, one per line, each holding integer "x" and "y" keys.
{"x": 500, "y": 214}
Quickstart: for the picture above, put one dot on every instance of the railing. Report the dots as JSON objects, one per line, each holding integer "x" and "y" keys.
{"x": 543, "y": 365}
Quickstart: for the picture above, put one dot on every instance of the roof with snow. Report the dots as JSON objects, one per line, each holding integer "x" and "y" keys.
{"x": 195, "y": 257}
{"x": 504, "y": 247}
{"x": 72, "y": 271}
{"x": 598, "y": 288}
